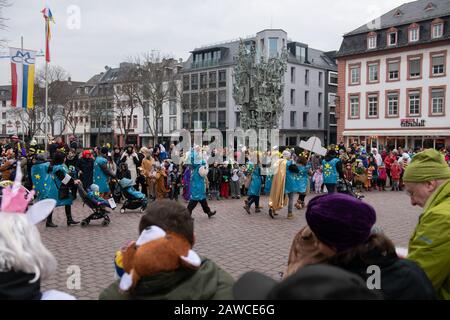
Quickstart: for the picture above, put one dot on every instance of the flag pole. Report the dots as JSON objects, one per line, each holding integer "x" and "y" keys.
{"x": 23, "y": 134}
{"x": 46, "y": 90}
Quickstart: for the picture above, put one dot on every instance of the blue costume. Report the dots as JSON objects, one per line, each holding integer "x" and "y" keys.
{"x": 255, "y": 185}
{"x": 197, "y": 186}
{"x": 95, "y": 197}
{"x": 42, "y": 180}
{"x": 54, "y": 194}
{"x": 290, "y": 184}
{"x": 100, "y": 177}
{"x": 302, "y": 179}
{"x": 330, "y": 174}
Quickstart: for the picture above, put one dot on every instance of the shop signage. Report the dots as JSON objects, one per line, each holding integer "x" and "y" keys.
{"x": 412, "y": 123}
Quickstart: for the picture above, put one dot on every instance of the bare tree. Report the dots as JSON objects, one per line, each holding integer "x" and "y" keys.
{"x": 128, "y": 97}
{"x": 59, "y": 93}
{"x": 30, "y": 119}
{"x": 101, "y": 112}
{"x": 158, "y": 77}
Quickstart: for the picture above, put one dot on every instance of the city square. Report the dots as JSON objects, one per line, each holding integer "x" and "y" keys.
{"x": 145, "y": 157}
{"x": 236, "y": 241}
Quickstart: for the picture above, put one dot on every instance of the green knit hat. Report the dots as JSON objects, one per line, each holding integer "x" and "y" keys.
{"x": 427, "y": 166}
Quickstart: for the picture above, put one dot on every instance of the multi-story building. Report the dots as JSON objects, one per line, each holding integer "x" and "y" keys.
{"x": 208, "y": 86}
{"x": 394, "y": 81}
{"x": 102, "y": 109}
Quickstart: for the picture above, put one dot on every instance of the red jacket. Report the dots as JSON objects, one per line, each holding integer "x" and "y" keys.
{"x": 389, "y": 161}
{"x": 396, "y": 170}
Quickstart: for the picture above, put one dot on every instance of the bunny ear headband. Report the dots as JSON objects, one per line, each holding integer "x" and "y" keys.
{"x": 16, "y": 198}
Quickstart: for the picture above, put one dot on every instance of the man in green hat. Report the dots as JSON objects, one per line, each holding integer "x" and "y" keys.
{"x": 427, "y": 181}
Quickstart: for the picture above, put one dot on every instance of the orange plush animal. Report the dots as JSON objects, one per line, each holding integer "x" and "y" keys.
{"x": 154, "y": 252}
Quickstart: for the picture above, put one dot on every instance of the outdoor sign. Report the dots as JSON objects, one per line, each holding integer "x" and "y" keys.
{"x": 412, "y": 123}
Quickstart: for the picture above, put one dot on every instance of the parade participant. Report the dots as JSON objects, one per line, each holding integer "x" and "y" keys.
{"x": 377, "y": 157}
{"x": 102, "y": 173}
{"x": 160, "y": 181}
{"x": 427, "y": 181}
{"x": 234, "y": 182}
{"x": 60, "y": 189}
{"x": 94, "y": 196}
{"x": 24, "y": 260}
{"x": 254, "y": 188}
{"x": 382, "y": 176}
{"x": 332, "y": 170}
{"x": 85, "y": 167}
{"x": 340, "y": 232}
{"x": 197, "y": 185}
{"x": 301, "y": 180}
{"x": 41, "y": 177}
{"x": 277, "y": 198}
{"x": 214, "y": 179}
{"x": 186, "y": 182}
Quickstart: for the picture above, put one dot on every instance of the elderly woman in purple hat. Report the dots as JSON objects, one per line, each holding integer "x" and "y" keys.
{"x": 340, "y": 232}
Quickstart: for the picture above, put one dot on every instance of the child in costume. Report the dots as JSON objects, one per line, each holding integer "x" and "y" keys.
{"x": 94, "y": 196}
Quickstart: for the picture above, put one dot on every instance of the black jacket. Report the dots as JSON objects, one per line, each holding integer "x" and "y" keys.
{"x": 86, "y": 166}
{"x": 400, "y": 279}
{"x": 214, "y": 175}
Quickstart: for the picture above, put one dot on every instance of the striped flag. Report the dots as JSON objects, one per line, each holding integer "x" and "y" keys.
{"x": 22, "y": 75}
{"x": 48, "y": 16}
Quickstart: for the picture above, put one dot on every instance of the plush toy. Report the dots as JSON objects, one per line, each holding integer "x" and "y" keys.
{"x": 154, "y": 252}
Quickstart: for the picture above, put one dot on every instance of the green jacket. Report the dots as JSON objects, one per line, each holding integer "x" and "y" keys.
{"x": 429, "y": 246}
{"x": 207, "y": 283}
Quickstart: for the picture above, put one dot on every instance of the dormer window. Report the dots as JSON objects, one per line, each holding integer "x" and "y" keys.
{"x": 413, "y": 33}
{"x": 372, "y": 41}
{"x": 437, "y": 29}
{"x": 392, "y": 37}
{"x": 398, "y": 13}
{"x": 430, "y": 6}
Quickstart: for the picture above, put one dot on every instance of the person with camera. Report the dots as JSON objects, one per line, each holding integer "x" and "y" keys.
{"x": 60, "y": 187}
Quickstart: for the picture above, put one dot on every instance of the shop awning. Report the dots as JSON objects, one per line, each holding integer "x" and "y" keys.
{"x": 398, "y": 133}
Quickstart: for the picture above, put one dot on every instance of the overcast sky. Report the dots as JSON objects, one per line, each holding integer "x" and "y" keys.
{"x": 109, "y": 31}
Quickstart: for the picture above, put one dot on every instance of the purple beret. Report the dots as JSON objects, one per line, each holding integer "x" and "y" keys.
{"x": 340, "y": 221}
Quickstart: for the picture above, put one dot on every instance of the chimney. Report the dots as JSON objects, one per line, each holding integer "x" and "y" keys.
{"x": 69, "y": 81}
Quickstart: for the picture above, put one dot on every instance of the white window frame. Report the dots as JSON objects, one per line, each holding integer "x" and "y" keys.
{"x": 432, "y": 65}
{"x": 370, "y": 79}
{"x": 331, "y": 73}
{"x": 372, "y": 106}
{"x": 354, "y": 106}
{"x": 440, "y": 27}
{"x": 414, "y": 31}
{"x": 437, "y": 100}
{"x": 391, "y": 104}
{"x": 389, "y": 38}
{"x": 372, "y": 42}
{"x": 389, "y": 72}
{"x": 413, "y": 94}
{"x": 358, "y": 69}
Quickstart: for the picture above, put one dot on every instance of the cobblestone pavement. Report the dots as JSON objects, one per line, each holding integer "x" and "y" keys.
{"x": 238, "y": 242}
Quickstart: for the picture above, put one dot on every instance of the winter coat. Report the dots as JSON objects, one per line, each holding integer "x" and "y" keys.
{"x": 197, "y": 183}
{"x": 302, "y": 179}
{"x": 330, "y": 172}
{"x": 400, "y": 279}
{"x": 209, "y": 282}
{"x": 42, "y": 180}
{"x": 429, "y": 246}
{"x": 214, "y": 176}
{"x": 59, "y": 173}
{"x": 85, "y": 168}
{"x": 102, "y": 174}
{"x": 132, "y": 162}
{"x": 255, "y": 185}
{"x": 396, "y": 171}
{"x": 17, "y": 285}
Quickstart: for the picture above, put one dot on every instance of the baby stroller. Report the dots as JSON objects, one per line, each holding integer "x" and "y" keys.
{"x": 344, "y": 187}
{"x": 98, "y": 211}
{"x": 133, "y": 199}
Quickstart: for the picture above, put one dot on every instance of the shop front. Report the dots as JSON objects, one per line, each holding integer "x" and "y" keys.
{"x": 394, "y": 139}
